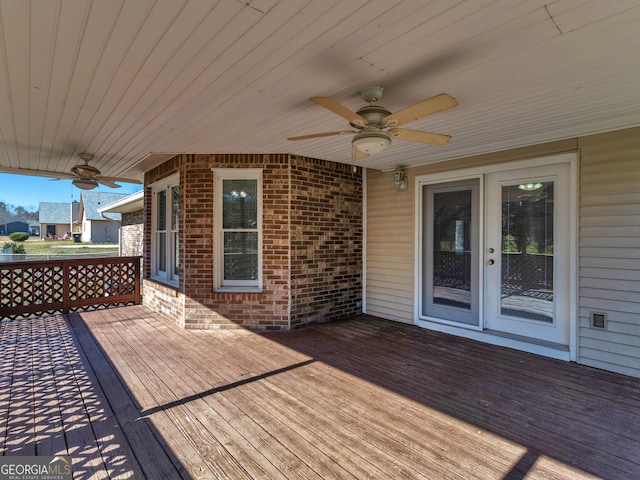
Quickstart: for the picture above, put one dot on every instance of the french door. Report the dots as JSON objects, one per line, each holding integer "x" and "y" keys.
{"x": 451, "y": 235}
{"x": 527, "y": 253}
{"x": 495, "y": 253}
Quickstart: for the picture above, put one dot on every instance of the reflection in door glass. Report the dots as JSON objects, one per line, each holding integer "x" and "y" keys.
{"x": 527, "y": 251}
{"x": 452, "y": 248}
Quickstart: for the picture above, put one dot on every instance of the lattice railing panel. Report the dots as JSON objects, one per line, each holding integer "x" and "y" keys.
{"x": 37, "y": 287}
{"x": 31, "y": 285}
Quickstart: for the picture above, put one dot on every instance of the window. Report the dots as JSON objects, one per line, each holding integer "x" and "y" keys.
{"x": 238, "y": 216}
{"x": 165, "y": 260}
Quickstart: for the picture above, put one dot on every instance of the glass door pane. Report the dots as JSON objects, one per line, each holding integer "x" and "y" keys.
{"x": 527, "y": 251}
{"x": 452, "y": 248}
{"x": 450, "y": 271}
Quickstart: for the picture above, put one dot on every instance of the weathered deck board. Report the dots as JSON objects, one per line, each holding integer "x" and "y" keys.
{"x": 155, "y": 461}
{"x": 516, "y": 395}
{"x": 8, "y": 350}
{"x": 373, "y": 398}
{"x": 363, "y": 398}
{"x": 52, "y": 403}
{"x": 201, "y": 452}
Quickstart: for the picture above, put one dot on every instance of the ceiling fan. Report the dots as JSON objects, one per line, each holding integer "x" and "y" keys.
{"x": 87, "y": 177}
{"x": 374, "y": 126}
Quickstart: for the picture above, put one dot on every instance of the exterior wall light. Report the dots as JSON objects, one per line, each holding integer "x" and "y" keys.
{"x": 400, "y": 180}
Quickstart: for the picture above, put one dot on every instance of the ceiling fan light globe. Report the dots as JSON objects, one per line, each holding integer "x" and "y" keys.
{"x": 371, "y": 144}
{"x": 84, "y": 184}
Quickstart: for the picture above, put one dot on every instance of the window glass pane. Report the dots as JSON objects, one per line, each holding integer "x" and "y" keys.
{"x": 176, "y": 255}
{"x": 240, "y": 255}
{"x": 527, "y": 251}
{"x": 452, "y": 248}
{"x": 240, "y": 204}
{"x": 175, "y": 207}
{"x": 162, "y": 210}
{"x": 161, "y": 252}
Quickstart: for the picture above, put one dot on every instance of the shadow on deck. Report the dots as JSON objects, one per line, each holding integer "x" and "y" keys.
{"x": 127, "y": 394}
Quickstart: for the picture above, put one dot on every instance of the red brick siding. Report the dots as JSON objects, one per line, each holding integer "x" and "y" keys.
{"x": 196, "y": 226}
{"x": 132, "y": 233}
{"x": 311, "y": 238}
{"x": 205, "y": 308}
{"x": 326, "y": 246}
{"x": 164, "y": 299}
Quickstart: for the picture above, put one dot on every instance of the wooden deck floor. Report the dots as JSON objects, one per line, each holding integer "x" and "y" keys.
{"x": 127, "y": 394}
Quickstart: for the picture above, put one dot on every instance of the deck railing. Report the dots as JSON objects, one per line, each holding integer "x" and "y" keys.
{"x": 60, "y": 286}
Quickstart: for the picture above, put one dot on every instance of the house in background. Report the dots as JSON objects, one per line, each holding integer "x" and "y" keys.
{"x": 96, "y": 227}
{"x": 131, "y": 209}
{"x": 57, "y": 219}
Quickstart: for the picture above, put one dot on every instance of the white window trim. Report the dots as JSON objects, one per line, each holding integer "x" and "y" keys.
{"x": 221, "y": 174}
{"x": 168, "y": 277}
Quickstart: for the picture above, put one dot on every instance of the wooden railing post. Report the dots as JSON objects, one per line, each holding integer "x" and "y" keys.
{"x": 66, "y": 286}
{"x": 137, "y": 293}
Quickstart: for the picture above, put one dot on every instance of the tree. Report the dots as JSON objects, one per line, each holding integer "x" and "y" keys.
{"x": 10, "y": 212}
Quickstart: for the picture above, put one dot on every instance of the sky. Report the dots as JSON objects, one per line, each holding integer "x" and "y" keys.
{"x": 29, "y": 191}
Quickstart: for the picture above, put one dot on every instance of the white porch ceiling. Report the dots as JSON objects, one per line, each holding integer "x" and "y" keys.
{"x": 125, "y": 78}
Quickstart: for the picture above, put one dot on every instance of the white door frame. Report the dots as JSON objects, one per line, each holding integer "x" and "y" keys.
{"x": 479, "y": 334}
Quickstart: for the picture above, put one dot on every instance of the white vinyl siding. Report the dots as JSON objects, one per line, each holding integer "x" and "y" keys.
{"x": 608, "y": 238}
{"x": 389, "y": 284}
{"x": 610, "y": 250}
{"x": 390, "y": 233}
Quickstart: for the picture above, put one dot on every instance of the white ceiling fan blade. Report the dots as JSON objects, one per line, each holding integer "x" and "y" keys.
{"x": 421, "y": 109}
{"x": 339, "y": 109}
{"x": 436, "y": 139}
{"x": 324, "y": 134}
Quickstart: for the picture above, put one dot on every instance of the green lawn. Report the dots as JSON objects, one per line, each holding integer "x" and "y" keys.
{"x": 45, "y": 247}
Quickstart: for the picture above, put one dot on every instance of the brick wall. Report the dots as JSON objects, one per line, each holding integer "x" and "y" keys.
{"x": 311, "y": 236}
{"x": 326, "y": 246}
{"x": 165, "y": 300}
{"x": 132, "y": 233}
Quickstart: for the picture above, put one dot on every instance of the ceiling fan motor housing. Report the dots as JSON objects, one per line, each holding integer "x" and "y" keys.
{"x": 372, "y": 114}
{"x": 85, "y": 171}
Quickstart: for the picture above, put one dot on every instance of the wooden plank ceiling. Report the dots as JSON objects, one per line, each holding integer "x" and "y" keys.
{"x": 122, "y": 79}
